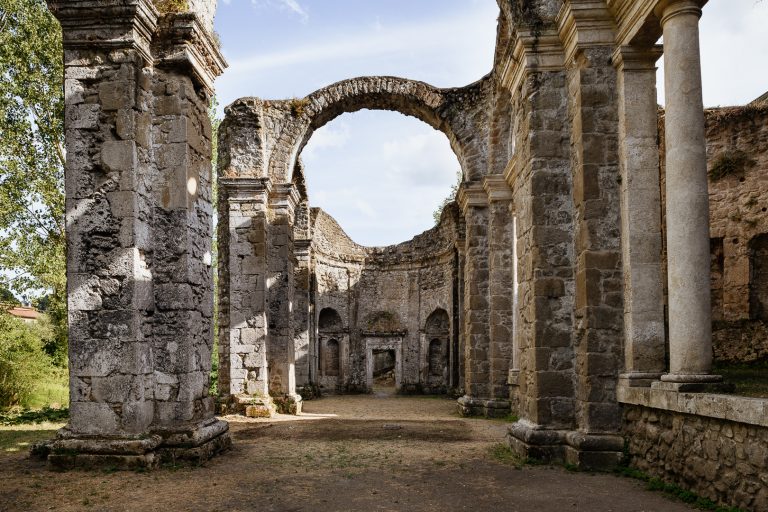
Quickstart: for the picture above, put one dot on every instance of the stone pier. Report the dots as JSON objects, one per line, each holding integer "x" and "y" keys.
{"x": 138, "y": 84}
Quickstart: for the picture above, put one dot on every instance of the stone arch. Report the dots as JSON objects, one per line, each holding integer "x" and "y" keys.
{"x": 457, "y": 112}
{"x": 438, "y": 323}
{"x": 329, "y": 320}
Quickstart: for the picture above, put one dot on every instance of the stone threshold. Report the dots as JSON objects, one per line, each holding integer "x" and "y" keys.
{"x": 741, "y": 409}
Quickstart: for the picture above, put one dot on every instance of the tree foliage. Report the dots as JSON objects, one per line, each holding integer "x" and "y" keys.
{"x": 450, "y": 197}
{"x": 32, "y": 243}
{"x": 23, "y": 362}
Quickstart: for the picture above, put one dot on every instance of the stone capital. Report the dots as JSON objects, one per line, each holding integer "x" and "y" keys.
{"x": 284, "y": 196}
{"x": 107, "y": 24}
{"x": 497, "y": 189}
{"x": 585, "y": 23}
{"x": 668, "y": 9}
{"x": 185, "y": 42}
{"x": 631, "y": 58}
{"x": 246, "y": 189}
{"x": 534, "y": 51}
{"x": 471, "y": 194}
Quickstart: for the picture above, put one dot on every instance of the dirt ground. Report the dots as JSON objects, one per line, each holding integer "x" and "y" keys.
{"x": 370, "y": 453}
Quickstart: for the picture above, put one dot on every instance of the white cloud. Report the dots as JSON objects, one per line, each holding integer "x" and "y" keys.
{"x": 330, "y": 136}
{"x": 290, "y": 5}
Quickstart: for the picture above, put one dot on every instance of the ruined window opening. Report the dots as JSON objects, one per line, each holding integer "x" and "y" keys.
{"x": 758, "y": 277}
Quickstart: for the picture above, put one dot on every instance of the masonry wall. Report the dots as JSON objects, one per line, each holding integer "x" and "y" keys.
{"x": 383, "y": 297}
{"x": 722, "y": 460}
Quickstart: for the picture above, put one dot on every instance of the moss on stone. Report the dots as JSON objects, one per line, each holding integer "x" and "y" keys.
{"x": 172, "y": 6}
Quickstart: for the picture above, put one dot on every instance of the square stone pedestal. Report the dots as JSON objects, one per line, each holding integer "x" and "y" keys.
{"x": 195, "y": 445}
{"x": 593, "y": 452}
{"x": 490, "y": 408}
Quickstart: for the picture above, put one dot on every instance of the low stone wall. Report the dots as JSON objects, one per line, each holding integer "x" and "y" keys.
{"x": 694, "y": 441}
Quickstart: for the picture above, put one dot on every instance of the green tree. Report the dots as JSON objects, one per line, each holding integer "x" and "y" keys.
{"x": 450, "y": 197}
{"x": 23, "y": 363}
{"x": 32, "y": 244}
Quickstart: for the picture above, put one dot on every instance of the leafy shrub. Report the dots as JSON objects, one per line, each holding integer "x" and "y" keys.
{"x": 23, "y": 362}
{"x": 730, "y": 162}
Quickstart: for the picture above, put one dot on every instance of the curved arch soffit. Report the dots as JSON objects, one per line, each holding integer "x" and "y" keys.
{"x": 425, "y": 102}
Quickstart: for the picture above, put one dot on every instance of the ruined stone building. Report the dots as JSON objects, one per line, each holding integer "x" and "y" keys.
{"x": 569, "y": 284}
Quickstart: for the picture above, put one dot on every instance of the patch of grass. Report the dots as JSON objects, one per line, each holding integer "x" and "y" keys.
{"x": 27, "y": 416}
{"x": 751, "y": 379}
{"x": 21, "y": 438}
{"x": 502, "y": 452}
{"x": 674, "y": 491}
{"x": 298, "y": 106}
{"x": 51, "y": 391}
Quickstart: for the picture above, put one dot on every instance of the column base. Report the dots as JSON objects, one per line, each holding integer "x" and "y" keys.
{"x": 591, "y": 452}
{"x": 195, "y": 445}
{"x": 489, "y": 407}
{"x": 288, "y": 404}
{"x": 713, "y": 386}
{"x": 639, "y": 379}
{"x": 251, "y": 406}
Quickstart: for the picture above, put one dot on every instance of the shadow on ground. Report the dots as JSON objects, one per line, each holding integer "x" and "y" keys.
{"x": 346, "y": 454}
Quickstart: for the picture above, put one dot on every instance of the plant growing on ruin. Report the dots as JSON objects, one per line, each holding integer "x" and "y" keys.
{"x": 730, "y": 162}
{"x": 172, "y": 6}
{"x": 298, "y": 106}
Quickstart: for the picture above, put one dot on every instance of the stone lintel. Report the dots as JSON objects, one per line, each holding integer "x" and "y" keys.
{"x": 497, "y": 189}
{"x": 107, "y": 24}
{"x": 631, "y": 58}
{"x": 186, "y": 43}
{"x": 740, "y": 409}
{"x": 534, "y": 51}
{"x": 585, "y": 24}
{"x": 471, "y": 194}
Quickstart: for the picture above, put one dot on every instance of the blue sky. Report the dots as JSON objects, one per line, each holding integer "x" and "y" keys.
{"x": 381, "y": 174}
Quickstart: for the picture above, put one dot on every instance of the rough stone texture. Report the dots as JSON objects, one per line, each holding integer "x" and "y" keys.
{"x": 138, "y": 182}
{"x": 718, "y": 459}
{"x": 739, "y": 222}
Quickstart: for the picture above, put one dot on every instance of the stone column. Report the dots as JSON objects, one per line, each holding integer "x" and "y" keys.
{"x": 138, "y": 174}
{"x": 501, "y": 247}
{"x": 644, "y": 335}
{"x": 687, "y": 201}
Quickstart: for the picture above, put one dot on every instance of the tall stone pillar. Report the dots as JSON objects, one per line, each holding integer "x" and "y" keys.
{"x": 138, "y": 175}
{"x": 687, "y": 201}
{"x": 477, "y": 371}
{"x": 243, "y": 222}
{"x": 281, "y": 357}
{"x": 644, "y": 337}
{"x": 501, "y": 258}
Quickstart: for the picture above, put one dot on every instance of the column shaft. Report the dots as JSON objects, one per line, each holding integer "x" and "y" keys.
{"x": 690, "y": 324}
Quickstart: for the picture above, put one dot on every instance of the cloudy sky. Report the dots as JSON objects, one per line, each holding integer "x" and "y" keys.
{"x": 381, "y": 174}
